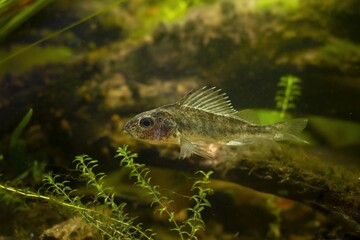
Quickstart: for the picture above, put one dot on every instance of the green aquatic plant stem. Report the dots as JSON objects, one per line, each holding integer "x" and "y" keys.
{"x": 15, "y": 136}
{"x": 290, "y": 89}
{"x": 115, "y": 223}
{"x": 17, "y": 150}
{"x": 11, "y": 22}
{"x": 61, "y": 31}
{"x": 86, "y": 165}
{"x": 29, "y": 194}
{"x": 195, "y": 222}
{"x": 142, "y": 180}
{"x": 69, "y": 204}
{"x": 187, "y": 229}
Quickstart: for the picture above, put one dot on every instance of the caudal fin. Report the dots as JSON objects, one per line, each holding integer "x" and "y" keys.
{"x": 288, "y": 130}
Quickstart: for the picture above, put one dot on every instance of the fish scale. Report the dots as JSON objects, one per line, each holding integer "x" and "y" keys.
{"x": 217, "y": 127}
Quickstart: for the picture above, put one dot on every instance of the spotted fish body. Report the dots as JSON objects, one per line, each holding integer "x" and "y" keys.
{"x": 203, "y": 117}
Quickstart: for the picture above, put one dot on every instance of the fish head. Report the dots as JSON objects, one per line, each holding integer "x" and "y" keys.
{"x": 154, "y": 126}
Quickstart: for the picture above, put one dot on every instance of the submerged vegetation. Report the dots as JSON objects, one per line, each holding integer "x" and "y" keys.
{"x": 114, "y": 225}
{"x": 17, "y": 150}
{"x": 19, "y": 164}
{"x": 187, "y": 229}
{"x": 15, "y": 12}
{"x": 289, "y": 91}
{"x": 108, "y": 216}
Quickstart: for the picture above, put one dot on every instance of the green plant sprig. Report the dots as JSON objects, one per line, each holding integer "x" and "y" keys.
{"x": 112, "y": 227}
{"x": 117, "y": 224}
{"x": 195, "y": 222}
{"x": 141, "y": 174}
{"x": 289, "y": 91}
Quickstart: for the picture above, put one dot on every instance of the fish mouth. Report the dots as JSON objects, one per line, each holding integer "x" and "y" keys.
{"x": 126, "y": 129}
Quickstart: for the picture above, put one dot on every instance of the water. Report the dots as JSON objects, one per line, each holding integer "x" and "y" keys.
{"x": 83, "y": 84}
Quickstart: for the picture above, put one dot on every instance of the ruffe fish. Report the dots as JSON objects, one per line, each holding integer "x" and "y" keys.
{"x": 203, "y": 117}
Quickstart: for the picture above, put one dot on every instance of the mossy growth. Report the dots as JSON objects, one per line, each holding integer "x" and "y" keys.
{"x": 106, "y": 214}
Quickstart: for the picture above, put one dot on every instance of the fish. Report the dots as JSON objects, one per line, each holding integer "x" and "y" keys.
{"x": 202, "y": 118}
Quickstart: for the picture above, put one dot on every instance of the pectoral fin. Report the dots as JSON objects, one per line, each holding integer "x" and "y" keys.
{"x": 187, "y": 148}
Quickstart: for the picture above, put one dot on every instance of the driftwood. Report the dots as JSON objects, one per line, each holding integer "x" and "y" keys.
{"x": 291, "y": 172}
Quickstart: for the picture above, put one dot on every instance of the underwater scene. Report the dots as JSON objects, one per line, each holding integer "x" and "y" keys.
{"x": 187, "y": 119}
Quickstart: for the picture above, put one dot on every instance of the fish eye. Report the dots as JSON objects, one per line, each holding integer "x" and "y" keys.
{"x": 146, "y": 122}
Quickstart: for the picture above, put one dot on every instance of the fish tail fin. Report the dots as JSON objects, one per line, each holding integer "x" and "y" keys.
{"x": 288, "y": 130}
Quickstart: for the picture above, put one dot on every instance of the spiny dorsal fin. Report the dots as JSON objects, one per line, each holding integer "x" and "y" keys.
{"x": 209, "y": 100}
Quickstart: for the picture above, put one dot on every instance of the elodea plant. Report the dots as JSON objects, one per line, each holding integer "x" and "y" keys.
{"x": 115, "y": 223}
{"x": 289, "y": 91}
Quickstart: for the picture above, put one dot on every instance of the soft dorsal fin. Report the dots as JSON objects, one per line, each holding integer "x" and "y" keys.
{"x": 248, "y": 115}
{"x": 209, "y": 100}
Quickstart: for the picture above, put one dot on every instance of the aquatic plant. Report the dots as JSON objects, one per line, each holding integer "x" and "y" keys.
{"x": 57, "y": 33}
{"x": 148, "y": 15}
{"x": 19, "y": 163}
{"x": 15, "y": 12}
{"x": 116, "y": 223}
{"x": 17, "y": 150}
{"x": 187, "y": 229}
{"x": 289, "y": 91}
